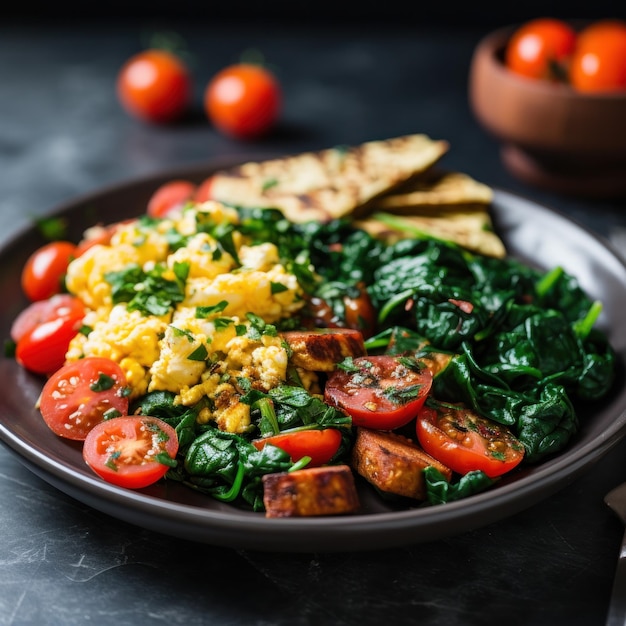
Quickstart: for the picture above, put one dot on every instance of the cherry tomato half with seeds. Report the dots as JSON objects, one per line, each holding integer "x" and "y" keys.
{"x": 243, "y": 100}
{"x": 82, "y": 394}
{"x": 541, "y": 49}
{"x": 44, "y": 271}
{"x": 381, "y": 392}
{"x": 155, "y": 86}
{"x": 170, "y": 197}
{"x": 465, "y": 441}
{"x": 599, "y": 62}
{"x": 131, "y": 451}
{"x": 320, "y": 445}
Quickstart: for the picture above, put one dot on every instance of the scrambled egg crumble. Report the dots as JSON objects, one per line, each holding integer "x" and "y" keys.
{"x": 182, "y": 312}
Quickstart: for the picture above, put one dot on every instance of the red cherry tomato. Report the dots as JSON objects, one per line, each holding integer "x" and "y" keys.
{"x": 44, "y": 271}
{"x": 541, "y": 48}
{"x": 243, "y": 100}
{"x": 465, "y": 442}
{"x": 44, "y": 330}
{"x": 131, "y": 451}
{"x": 203, "y": 192}
{"x": 360, "y": 312}
{"x": 170, "y": 197}
{"x": 98, "y": 235}
{"x": 155, "y": 86}
{"x": 320, "y": 445}
{"x": 382, "y": 392}
{"x": 82, "y": 394}
{"x": 599, "y": 62}
{"x": 61, "y": 305}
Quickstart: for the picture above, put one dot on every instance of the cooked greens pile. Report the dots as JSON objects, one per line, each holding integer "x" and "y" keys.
{"x": 521, "y": 345}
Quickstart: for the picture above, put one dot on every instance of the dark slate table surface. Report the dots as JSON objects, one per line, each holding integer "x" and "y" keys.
{"x": 62, "y": 134}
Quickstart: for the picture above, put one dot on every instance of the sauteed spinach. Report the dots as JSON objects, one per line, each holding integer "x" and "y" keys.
{"x": 516, "y": 344}
{"x": 522, "y": 344}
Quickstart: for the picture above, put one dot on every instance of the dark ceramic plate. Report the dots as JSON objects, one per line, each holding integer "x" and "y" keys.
{"x": 533, "y": 233}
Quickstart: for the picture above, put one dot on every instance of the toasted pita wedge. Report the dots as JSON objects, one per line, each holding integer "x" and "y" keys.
{"x": 470, "y": 228}
{"x": 436, "y": 190}
{"x": 331, "y": 183}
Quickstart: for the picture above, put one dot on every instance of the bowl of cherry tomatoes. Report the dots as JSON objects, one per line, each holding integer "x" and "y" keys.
{"x": 553, "y": 93}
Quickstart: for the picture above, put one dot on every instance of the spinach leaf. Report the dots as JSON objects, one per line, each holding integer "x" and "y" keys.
{"x": 440, "y": 491}
{"x": 229, "y": 468}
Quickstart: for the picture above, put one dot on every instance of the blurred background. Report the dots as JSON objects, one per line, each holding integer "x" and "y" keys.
{"x": 321, "y": 12}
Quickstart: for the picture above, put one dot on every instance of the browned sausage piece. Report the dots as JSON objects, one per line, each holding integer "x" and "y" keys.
{"x": 311, "y": 491}
{"x": 320, "y": 350}
{"x": 393, "y": 463}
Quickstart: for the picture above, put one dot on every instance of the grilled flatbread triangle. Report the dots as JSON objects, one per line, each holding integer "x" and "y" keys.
{"x": 436, "y": 189}
{"x": 331, "y": 183}
{"x": 470, "y": 227}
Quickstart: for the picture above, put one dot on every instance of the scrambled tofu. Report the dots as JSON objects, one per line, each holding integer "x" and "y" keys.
{"x": 181, "y": 312}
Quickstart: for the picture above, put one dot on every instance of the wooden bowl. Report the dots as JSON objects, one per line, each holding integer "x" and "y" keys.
{"x": 551, "y": 136}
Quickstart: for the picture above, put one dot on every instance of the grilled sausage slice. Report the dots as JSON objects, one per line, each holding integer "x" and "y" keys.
{"x": 311, "y": 491}
{"x": 393, "y": 463}
{"x": 320, "y": 350}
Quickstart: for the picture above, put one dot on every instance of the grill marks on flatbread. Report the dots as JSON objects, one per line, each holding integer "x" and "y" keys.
{"x": 391, "y": 188}
{"x": 447, "y": 205}
{"x": 470, "y": 227}
{"x": 331, "y": 183}
{"x": 436, "y": 189}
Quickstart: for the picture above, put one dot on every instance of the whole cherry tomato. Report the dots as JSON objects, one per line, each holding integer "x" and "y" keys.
{"x": 44, "y": 271}
{"x": 169, "y": 197}
{"x": 541, "y": 49}
{"x": 59, "y": 305}
{"x": 599, "y": 62}
{"x": 243, "y": 100}
{"x": 155, "y": 86}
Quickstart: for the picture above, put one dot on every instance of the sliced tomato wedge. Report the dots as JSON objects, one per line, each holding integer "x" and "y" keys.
{"x": 465, "y": 441}
{"x": 381, "y": 392}
{"x": 320, "y": 445}
{"x": 131, "y": 451}
{"x": 82, "y": 394}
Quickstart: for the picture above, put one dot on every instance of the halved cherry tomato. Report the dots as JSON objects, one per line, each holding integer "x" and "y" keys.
{"x": 599, "y": 62}
{"x": 155, "y": 86}
{"x": 82, "y": 394}
{"x": 382, "y": 392}
{"x": 131, "y": 451}
{"x": 44, "y": 271}
{"x": 465, "y": 441}
{"x": 169, "y": 197}
{"x": 60, "y": 305}
{"x": 243, "y": 100}
{"x": 541, "y": 48}
{"x": 320, "y": 445}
